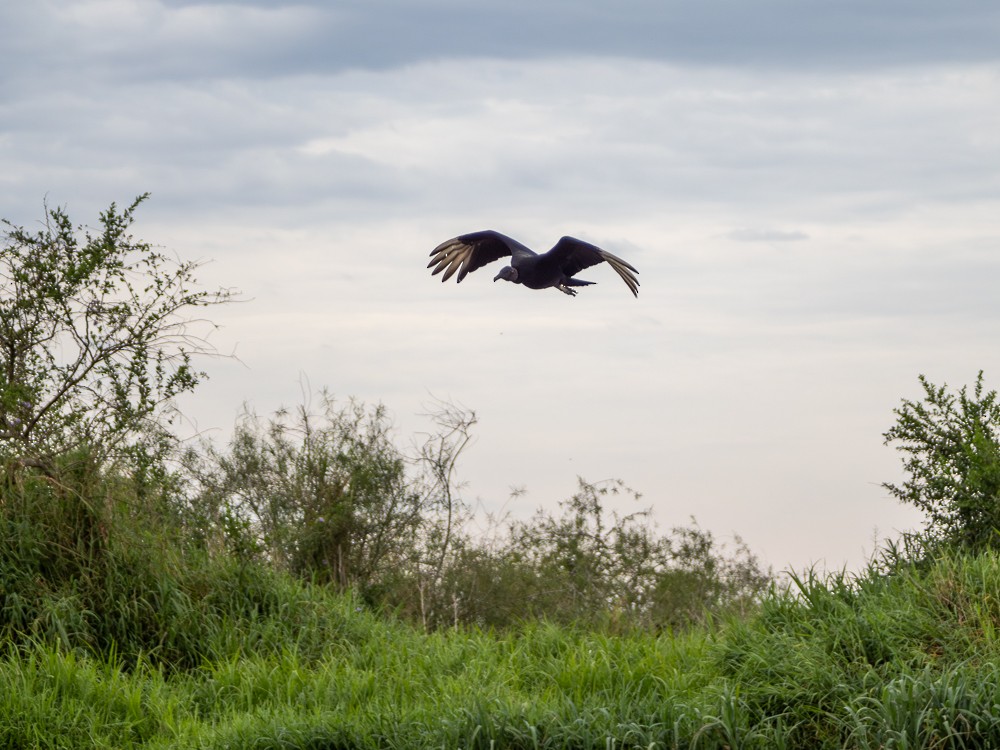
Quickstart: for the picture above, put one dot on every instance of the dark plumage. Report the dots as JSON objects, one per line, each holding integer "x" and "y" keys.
{"x": 555, "y": 268}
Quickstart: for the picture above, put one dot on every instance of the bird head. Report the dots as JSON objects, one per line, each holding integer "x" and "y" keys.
{"x": 507, "y": 273}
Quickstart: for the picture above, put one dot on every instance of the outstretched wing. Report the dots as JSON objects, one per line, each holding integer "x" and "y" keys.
{"x": 573, "y": 255}
{"x": 467, "y": 252}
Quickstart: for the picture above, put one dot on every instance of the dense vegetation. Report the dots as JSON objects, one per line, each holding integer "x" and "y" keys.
{"x": 313, "y": 585}
{"x": 202, "y": 652}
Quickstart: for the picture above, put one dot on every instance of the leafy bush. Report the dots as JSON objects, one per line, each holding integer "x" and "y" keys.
{"x": 93, "y": 340}
{"x": 952, "y": 461}
{"x": 329, "y": 496}
{"x": 592, "y": 567}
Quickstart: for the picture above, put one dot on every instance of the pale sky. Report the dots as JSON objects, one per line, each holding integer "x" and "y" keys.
{"x": 810, "y": 191}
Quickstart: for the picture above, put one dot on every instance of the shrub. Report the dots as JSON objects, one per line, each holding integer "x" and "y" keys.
{"x": 94, "y": 340}
{"x": 952, "y": 461}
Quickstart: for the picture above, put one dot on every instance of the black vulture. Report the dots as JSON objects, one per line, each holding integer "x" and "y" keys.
{"x": 556, "y": 268}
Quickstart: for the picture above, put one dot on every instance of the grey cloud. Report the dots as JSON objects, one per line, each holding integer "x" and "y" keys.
{"x": 197, "y": 41}
{"x": 727, "y": 32}
{"x": 487, "y": 138}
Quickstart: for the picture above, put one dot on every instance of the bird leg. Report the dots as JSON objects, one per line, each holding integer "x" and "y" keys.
{"x": 566, "y": 290}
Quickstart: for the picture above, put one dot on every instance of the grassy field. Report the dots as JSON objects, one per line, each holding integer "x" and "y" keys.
{"x": 908, "y": 660}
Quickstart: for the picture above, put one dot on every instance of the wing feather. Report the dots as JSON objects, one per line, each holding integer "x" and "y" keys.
{"x": 573, "y": 255}
{"x": 468, "y": 252}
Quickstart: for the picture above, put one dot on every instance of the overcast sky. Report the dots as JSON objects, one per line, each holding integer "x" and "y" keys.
{"x": 809, "y": 189}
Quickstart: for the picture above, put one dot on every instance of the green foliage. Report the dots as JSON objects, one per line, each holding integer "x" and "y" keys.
{"x": 87, "y": 564}
{"x": 328, "y": 496}
{"x": 869, "y": 661}
{"x": 93, "y": 341}
{"x": 703, "y": 577}
{"x": 952, "y": 447}
{"x": 591, "y": 565}
{"x": 906, "y": 659}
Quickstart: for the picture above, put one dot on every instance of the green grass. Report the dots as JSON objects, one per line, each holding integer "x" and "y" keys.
{"x": 112, "y": 636}
{"x": 909, "y": 660}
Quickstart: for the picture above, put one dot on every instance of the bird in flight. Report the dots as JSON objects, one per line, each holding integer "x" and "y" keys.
{"x": 555, "y": 268}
